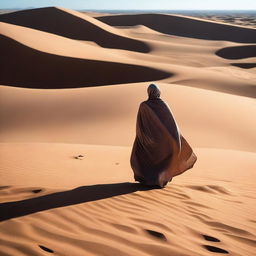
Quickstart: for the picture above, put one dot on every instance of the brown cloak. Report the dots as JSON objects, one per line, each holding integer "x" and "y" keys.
{"x": 159, "y": 151}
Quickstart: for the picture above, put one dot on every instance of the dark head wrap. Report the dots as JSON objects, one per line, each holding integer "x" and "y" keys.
{"x": 153, "y": 91}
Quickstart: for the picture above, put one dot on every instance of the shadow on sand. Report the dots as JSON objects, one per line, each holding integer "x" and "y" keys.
{"x": 36, "y": 69}
{"x": 78, "y": 195}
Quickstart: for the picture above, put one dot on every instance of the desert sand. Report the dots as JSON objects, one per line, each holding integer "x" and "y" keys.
{"x": 243, "y": 18}
{"x": 70, "y": 89}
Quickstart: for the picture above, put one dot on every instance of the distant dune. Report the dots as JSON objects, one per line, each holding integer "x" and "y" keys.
{"x": 184, "y": 26}
{"x": 73, "y": 25}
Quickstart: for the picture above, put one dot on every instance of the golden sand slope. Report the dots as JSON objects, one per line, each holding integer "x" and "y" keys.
{"x": 90, "y": 207}
{"x": 107, "y": 115}
{"x": 66, "y": 184}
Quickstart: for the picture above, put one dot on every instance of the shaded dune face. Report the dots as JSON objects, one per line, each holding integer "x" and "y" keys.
{"x": 244, "y": 65}
{"x": 59, "y": 22}
{"x": 22, "y": 66}
{"x": 186, "y": 27}
{"x": 237, "y": 52}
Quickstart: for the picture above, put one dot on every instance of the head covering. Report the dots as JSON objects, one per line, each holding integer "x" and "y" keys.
{"x": 153, "y": 91}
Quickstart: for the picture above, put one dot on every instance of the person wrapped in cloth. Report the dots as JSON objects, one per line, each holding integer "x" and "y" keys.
{"x": 159, "y": 151}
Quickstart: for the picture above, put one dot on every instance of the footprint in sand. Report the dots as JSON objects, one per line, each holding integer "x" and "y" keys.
{"x": 211, "y": 238}
{"x": 80, "y": 157}
{"x": 220, "y": 189}
{"x": 46, "y": 249}
{"x": 36, "y": 191}
{"x": 215, "y": 249}
{"x": 4, "y": 187}
{"x": 156, "y": 234}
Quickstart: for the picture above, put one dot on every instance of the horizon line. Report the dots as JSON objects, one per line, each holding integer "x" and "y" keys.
{"x": 31, "y": 7}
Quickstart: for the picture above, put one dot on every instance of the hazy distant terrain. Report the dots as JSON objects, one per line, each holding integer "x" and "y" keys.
{"x": 244, "y": 18}
{"x": 2, "y": 11}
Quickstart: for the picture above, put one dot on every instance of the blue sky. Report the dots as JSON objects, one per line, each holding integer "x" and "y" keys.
{"x": 135, "y": 4}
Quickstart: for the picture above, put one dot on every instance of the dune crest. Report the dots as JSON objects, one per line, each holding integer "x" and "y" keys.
{"x": 184, "y": 26}
{"x": 73, "y": 25}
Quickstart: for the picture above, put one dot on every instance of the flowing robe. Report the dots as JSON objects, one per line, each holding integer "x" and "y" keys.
{"x": 159, "y": 151}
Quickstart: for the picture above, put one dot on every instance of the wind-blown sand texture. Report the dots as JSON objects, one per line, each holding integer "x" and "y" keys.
{"x": 66, "y": 183}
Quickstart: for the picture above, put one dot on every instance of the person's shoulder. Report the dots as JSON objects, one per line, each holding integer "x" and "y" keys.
{"x": 143, "y": 106}
{"x": 143, "y": 103}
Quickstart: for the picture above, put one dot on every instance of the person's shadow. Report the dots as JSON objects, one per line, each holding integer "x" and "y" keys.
{"x": 78, "y": 195}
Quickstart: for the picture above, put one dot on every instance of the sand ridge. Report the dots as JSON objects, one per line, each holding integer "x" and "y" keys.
{"x": 184, "y": 26}
{"x": 73, "y": 25}
{"x": 77, "y": 214}
{"x": 178, "y": 60}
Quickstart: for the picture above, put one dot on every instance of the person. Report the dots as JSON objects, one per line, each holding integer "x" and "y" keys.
{"x": 159, "y": 151}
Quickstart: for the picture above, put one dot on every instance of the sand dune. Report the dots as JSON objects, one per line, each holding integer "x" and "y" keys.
{"x": 26, "y": 67}
{"x": 191, "y": 215}
{"x": 239, "y": 53}
{"x": 184, "y": 26}
{"x": 78, "y": 115}
{"x": 73, "y": 25}
{"x": 181, "y": 57}
{"x": 58, "y": 45}
{"x": 66, "y": 185}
